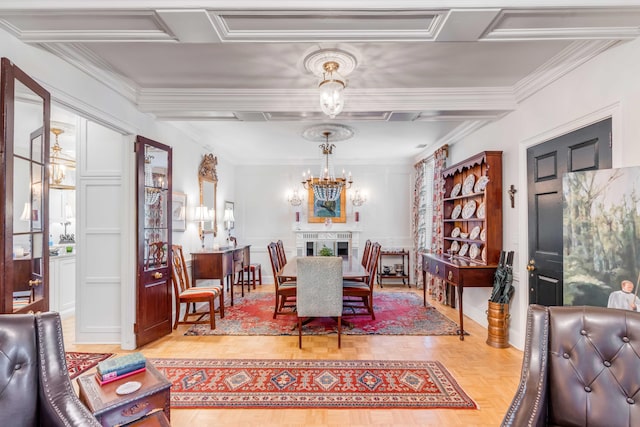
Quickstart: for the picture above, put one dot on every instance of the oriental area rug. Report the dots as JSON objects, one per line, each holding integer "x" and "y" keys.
{"x": 397, "y": 313}
{"x": 354, "y": 384}
{"x": 78, "y": 362}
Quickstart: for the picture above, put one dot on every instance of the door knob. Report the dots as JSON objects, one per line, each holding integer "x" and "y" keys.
{"x": 157, "y": 275}
{"x": 532, "y": 265}
{"x": 35, "y": 282}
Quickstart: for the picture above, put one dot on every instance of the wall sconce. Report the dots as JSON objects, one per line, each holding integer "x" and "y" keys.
{"x": 201, "y": 215}
{"x": 358, "y": 199}
{"x": 294, "y": 198}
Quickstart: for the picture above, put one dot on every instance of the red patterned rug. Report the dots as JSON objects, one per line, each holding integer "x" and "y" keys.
{"x": 397, "y": 313}
{"x": 261, "y": 383}
{"x": 78, "y": 363}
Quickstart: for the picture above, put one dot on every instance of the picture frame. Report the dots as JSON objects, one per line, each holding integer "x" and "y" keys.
{"x": 178, "y": 211}
{"x": 321, "y": 211}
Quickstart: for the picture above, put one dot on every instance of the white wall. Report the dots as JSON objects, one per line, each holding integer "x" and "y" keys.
{"x": 263, "y": 214}
{"x": 606, "y": 86}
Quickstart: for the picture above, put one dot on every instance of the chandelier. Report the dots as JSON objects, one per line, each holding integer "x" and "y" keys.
{"x": 151, "y": 192}
{"x": 327, "y": 188}
{"x": 59, "y": 162}
{"x": 331, "y": 87}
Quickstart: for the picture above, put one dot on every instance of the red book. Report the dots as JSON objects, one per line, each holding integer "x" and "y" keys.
{"x": 119, "y": 377}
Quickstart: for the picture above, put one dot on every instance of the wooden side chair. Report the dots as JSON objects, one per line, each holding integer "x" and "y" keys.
{"x": 365, "y": 253}
{"x": 282, "y": 254}
{"x": 319, "y": 290}
{"x": 285, "y": 292}
{"x": 187, "y": 294}
{"x": 359, "y": 295}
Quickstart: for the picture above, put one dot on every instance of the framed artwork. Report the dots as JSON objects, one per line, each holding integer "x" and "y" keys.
{"x": 319, "y": 211}
{"x": 178, "y": 211}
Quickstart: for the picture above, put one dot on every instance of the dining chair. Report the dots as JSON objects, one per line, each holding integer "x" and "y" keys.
{"x": 365, "y": 253}
{"x": 190, "y": 295}
{"x": 358, "y": 295}
{"x": 282, "y": 254}
{"x": 319, "y": 290}
{"x": 285, "y": 290}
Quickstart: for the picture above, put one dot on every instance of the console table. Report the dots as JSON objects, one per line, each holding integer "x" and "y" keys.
{"x": 219, "y": 264}
{"x": 456, "y": 272}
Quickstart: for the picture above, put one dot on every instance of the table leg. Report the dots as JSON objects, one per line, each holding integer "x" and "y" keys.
{"x": 460, "y": 288}
{"x": 424, "y": 287}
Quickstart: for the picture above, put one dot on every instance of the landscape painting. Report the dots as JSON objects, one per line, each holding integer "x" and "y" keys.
{"x": 601, "y": 223}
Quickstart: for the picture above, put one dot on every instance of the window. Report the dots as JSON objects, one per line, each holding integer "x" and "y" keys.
{"x": 425, "y": 213}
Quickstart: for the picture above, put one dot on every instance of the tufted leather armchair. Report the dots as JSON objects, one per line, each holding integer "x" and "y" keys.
{"x": 581, "y": 368}
{"x": 35, "y": 389}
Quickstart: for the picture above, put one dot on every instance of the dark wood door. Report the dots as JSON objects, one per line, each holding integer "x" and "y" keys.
{"x": 585, "y": 149}
{"x": 153, "y": 293}
{"x": 24, "y": 192}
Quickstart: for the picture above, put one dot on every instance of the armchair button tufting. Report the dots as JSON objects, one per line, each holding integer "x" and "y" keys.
{"x": 583, "y": 332}
{"x": 607, "y": 363}
{"x": 587, "y": 389}
{"x": 625, "y": 339}
{"x": 630, "y": 401}
{"x": 566, "y": 355}
{"x": 18, "y": 366}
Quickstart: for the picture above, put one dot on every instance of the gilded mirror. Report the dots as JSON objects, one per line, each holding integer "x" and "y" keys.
{"x": 208, "y": 182}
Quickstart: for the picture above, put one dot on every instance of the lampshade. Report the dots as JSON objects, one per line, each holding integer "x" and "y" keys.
{"x": 228, "y": 215}
{"x": 26, "y": 212}
{"x": 202, "y": 213}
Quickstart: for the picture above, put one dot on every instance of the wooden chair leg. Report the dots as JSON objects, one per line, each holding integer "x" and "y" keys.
{"x": 339, "y": 330}
{"x": 275, "y": 307}
{"x": 212, "y": 313}
{"x": 221, "y": 303}
{"x": 299, "y": 332}
{"x": 175, "y": 322}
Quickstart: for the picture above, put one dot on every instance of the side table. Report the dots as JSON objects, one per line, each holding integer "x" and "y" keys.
{"x": 113, "y": 409}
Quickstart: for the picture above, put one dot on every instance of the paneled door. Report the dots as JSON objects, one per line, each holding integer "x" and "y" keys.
{"x": 153, "y": 293}
{"x": 24, "y": 192}
{"x": 585, "y": 149}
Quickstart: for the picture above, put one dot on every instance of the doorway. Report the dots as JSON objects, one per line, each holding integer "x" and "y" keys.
{"x": 588, "y": 148}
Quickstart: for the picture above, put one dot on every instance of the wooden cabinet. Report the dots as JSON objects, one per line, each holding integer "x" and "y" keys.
{"x": 394, "y": 265}
{"x": 219, "y": 264}
{"x": 472, "y": 227}
{"x": 472, "y": 208}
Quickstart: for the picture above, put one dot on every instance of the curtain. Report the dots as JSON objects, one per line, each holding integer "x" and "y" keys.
{"x": 424, "y": 201}
{"x": 440, "y": 160}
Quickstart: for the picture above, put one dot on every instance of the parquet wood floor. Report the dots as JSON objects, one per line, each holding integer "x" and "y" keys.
{"x": 488, "y": 375}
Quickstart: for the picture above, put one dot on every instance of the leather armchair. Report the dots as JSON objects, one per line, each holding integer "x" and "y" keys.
{"x": 35, "y": 389}
{"x": 581, "y": 368}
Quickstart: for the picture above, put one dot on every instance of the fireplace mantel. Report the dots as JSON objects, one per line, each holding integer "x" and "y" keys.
{"x": 331, "y": 235}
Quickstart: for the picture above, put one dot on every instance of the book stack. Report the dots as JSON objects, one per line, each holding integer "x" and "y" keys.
{"x": 120, "y": 367}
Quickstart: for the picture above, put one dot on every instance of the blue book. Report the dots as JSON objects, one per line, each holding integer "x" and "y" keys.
{"x": 122, "y": 364}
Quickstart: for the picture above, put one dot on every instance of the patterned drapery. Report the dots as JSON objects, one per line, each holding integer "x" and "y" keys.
{"x": 419, "y": 220}
{"x": 425, "y": 204}
{"x": 440, "y": 160}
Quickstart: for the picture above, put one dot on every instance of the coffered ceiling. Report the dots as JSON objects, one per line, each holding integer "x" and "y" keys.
{"x": 427, "y": 72}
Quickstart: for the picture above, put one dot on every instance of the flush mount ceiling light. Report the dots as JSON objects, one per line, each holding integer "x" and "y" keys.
{"x": 331, "y": 66}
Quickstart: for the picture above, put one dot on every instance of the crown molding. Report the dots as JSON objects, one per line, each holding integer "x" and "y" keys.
{"x": 576, "y": 54}
{"x": 88, "y": 62}
{"x": 465, "y": 129}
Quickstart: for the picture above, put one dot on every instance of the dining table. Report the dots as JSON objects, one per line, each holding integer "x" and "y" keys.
{"x": 352, "y": 269}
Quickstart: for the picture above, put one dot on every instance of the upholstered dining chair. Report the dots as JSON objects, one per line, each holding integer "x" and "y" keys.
{"x": 35, "y": 389}
{"x": 358, "y": 295}
{"x": 581, "y": 368}
{"x": 285, "y": 290}
{"x": 191, "y": 295}
{"x": 319, "y": 290}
